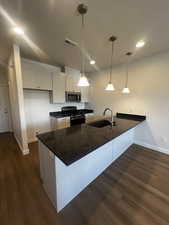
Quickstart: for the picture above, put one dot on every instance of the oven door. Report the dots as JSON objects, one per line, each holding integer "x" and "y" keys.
{"x": 76, "y": 120}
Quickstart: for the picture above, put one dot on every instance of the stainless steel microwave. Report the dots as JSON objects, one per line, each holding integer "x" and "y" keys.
{"x": 73, "y": 96}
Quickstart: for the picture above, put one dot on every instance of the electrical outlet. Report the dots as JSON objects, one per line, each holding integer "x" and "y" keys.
{"x": 163, "y": 139}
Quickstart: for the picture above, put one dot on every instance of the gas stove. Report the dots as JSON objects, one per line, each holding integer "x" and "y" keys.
{"x": 77, "y": 116}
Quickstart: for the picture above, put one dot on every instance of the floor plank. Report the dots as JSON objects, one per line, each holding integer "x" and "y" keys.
{"x": 132, "y": 191}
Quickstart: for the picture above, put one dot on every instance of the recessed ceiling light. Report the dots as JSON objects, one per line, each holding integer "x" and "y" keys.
{"x": 140, "y": 44}
{"x": 92, "y": 62}
{"x": 18, "y": 30}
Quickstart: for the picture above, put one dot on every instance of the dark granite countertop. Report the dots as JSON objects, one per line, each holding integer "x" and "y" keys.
{"x": 60, "y": 114}
{"x": 73, "y": 143}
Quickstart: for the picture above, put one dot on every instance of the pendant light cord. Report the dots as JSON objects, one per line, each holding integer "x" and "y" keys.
{"x": 82, "y": 46}
{"x": 127, "y": 73}
{"x": 127, "y": 68}
{"x": 111, "y": 71}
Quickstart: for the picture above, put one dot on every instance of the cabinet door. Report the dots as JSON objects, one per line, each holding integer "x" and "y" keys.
{"x": 36, "y": 76}
{"x": 43, "y": 79}
{"x": 69, "y": 82}
{"x": 72, "y": 78}
{"x": 50, "y": 177}
{"x": 47, "y": 170}
{"x": 59, "y": 86}
{"x": 28, "y": 75}
{"x": 85, "y": 94}
{"x": 42, "y": 162}
{"x": 89, "y": 117}
{"x": 60, "y": 123}
{"x": 76, "y": 77}
{"x": 63, "y": 123}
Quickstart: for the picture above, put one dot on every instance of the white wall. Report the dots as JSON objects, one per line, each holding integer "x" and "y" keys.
{"x": 37, "y": 108}
{"x": 4, "y": 82}
{"x": 17, "y": 100}
{"x": 3, "y": 76}
{"x": 149, "y": 85}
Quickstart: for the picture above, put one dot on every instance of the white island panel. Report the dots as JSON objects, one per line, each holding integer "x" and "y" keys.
{"x": 71, "y": 180}
{"x": 66, "y": 182}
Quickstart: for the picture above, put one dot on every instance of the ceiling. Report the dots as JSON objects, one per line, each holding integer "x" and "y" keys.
{"x": 48, "y": 22}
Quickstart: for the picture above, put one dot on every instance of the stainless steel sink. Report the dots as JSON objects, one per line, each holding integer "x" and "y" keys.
{"x": 100, "y": 123}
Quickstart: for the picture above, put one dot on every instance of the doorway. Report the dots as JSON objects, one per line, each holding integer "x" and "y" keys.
{"x": 4, "y": 109}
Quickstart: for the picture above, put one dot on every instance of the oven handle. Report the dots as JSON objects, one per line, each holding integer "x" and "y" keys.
{"x": 77, "y": 118}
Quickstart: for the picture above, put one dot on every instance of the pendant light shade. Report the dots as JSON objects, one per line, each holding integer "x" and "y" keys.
{"x": 83, "y": 81}
{"x": 126, "y": 89}
{"x": 110, "y": 86}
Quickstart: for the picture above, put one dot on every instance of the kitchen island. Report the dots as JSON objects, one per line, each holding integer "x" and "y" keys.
{"x": 71, "y": 158}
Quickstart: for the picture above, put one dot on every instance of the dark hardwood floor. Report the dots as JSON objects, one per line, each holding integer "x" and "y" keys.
{"x": 132, "y": 191}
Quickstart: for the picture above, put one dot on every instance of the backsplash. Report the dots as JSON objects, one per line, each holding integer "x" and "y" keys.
{"x": 37, "y": 108}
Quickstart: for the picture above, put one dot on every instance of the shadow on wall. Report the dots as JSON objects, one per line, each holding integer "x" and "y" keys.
{"x": 146, "y": 136}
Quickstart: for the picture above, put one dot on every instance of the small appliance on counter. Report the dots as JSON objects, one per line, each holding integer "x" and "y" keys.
{"x": 73, "y": 96}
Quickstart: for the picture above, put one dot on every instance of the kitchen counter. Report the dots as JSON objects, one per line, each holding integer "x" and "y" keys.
{"x": 60, "y": 114}
{"x": 71, "y": 158}
{"x": 73, "y": 143}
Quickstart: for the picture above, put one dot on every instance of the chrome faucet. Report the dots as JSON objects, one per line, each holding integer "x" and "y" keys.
{"x": 111, "y": 119}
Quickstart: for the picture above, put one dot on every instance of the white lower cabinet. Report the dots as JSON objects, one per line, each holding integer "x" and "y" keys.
{"x": 59, "y": 123}
{"x": 47, "y": 171}
{"x": 89, "y": 117}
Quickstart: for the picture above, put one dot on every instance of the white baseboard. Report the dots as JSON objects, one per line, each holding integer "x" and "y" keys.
{"x": 153, "y": 147}
{"x": 31, "y": 140}
{"x": 24, "y": 151}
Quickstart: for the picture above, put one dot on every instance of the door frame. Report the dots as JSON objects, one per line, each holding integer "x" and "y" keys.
{"x": 9, "y": 109}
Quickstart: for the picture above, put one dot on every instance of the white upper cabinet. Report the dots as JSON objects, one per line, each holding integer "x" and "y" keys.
{"x": 59, "y": 87}
{"x": 84, "y": 94}
{"x": 72, "y": 78}
{"x": 36, "y": 75}
{"x": 39, "y": 76}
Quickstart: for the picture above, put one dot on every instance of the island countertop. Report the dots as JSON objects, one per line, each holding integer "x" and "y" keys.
{"x": 73, "y": 143}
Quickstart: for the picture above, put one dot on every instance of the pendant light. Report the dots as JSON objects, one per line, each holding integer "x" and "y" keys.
{"x": 83, "y": 81}
{"x": 110, "y": 86}
{"x": 126, "y": 89}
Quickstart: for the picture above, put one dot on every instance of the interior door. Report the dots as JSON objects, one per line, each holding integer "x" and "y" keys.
{"x": 4, "y": 106}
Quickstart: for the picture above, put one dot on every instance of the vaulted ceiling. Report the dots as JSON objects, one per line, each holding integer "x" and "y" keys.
{"x": 48, "y": 22}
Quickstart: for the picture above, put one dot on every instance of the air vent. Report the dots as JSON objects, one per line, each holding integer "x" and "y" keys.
{"x": 71, "y": 43}
{"x": 63, "y": 70}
